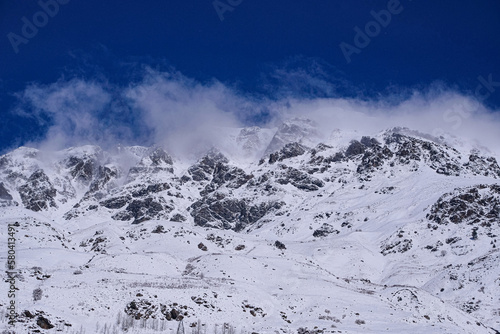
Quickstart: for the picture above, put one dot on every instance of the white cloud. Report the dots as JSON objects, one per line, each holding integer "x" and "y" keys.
{"x": 185, "y": 115}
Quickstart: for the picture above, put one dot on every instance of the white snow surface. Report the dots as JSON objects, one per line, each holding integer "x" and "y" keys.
{"x": 337, "y": 283}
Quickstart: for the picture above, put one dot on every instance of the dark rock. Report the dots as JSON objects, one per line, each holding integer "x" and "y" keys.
{"x": 373, "y": 158}
{"x": 325, "y": 230}
{"x": 369, "y": 142}
{"x": 231, "y": 177}
{"x": 116, "y": 203}
{"x": 142, "y": 191}
{"x": 81, "y": 169}
{"x": 288, "y": 151}
{"x": 44, "y": 323}
{"x": 142, "y": 210}
{"x": 134, "y": 172}
{"x": 159, "y": 156}
{"x": 4, "y": 193}
{"x": 203, "y": 170}
{"x": 355, "y": 148}
{"x": 483, "y": 166}
{"x": 300, "y": 180}
{"x": 158, "y": 229}
{"x": 174, "y": 314}
{"x": 38, "y": 193}
{"x": 28, "y": 314}
{"x": 178, "y": 218}
{"x": 279, "y": 245}
{"x": 337, "y": 157}
{"x": 468, "y": 206}
{"x": 397, "y": 246}
{"x": 104, "y": 176}
{"x": 438, "y": 157}
{"x": 202, "y": 247}
{"x": 218, "y": 211}
{"x": 320, "y": 148}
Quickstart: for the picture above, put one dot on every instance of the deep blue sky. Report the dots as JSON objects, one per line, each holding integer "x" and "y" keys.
{"x": 447, "y": 41}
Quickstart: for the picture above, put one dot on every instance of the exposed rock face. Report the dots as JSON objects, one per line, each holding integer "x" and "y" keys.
{"x": 44, "y": 323}
{"x": 231, "y": 177}
{"x": 82, "y": 169}
{"x": 454, "y": 223}
{"x": 156, "y": 162}
{"x": 146, "y": 209}
{"x": 289, "y": 151}
{"x": 355, "y": 148}
{"x": 360, "y": 197}
{"x": 219, "y": 194}
{"x": 396, "y": 244}
{"x": 299, "y": 179}
{"x": 404, "y": 150}
{"x": 4, "y": 193}
{"x": 483, "y": 166}
{"x": 475, "y": 206}
{"x": 374, "y": 157}
{"x": 226, "y": 213}
{"x": 159, "y": 157}
{"x": 278, "y": 244}
{"x": 145, "y": 309}
{"x": 325, "y": 230}
{"x": 104, "y": 175}
{"x": 38, "y": 193}
{"x": 116, "y": 202}
{"x": 204, "y": 169}
{"x": 443, "y": 159}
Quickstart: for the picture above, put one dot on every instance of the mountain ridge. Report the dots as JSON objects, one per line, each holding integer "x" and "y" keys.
{"x": 393, "y": 223}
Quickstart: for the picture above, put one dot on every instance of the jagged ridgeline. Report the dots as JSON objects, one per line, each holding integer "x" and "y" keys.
{"x": 137, "y": 184}
{"x": 282, "y": 229}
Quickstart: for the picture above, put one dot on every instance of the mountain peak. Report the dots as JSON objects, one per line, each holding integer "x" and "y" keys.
{"x": 300, "y": 130}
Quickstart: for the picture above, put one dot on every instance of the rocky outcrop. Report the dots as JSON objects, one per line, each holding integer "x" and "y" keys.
{"x": 299, "y": 179}
{"x": 38, "y": 193}
{"x": 204, "y": 169}
{"x": 441, "y": 158}
{"x": 230, "y": 177}
{"x": 156, "y": 162}
{"x": 479, "y": 165}
{"x": 4, "y": 193}
{"x": 228, "y": 213}
{"x": 288, "y": 151}
{"x": 82, "y": 168}
{"x": 104, "y": 176}
{"x": 140, "y": 210}
{"x": 475, "y": 206}
{"x": 324, "y": 230}
{"x": 116, "y": 202}
{"x": 160, "y": 157}
{"x": 355, "y": 148}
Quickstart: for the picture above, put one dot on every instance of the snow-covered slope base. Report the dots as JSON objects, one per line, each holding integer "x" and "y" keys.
{"x": 395, "y": 233}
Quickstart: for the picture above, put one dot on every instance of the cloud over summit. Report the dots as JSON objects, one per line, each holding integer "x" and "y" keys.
{"x": 182, "y": 114}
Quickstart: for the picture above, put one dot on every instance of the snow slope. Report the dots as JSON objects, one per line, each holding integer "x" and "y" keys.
{"x": 277, "y": 230}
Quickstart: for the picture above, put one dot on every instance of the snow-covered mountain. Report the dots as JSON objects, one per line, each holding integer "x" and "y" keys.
{"x": 275, "y": 231}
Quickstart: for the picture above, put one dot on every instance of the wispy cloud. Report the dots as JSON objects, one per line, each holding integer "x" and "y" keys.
{"x": 185, "y": 115}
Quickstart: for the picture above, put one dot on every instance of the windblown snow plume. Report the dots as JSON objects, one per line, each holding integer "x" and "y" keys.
{"x": 187, "y": 116}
